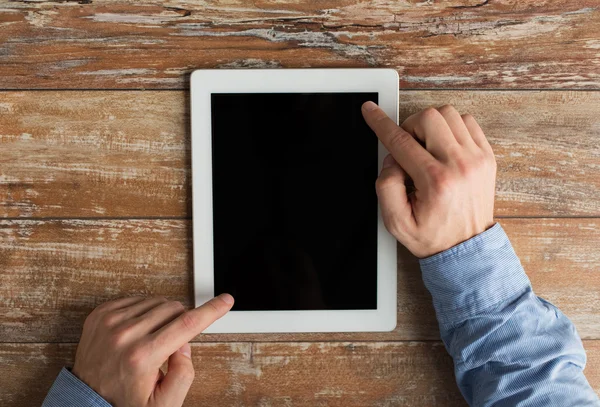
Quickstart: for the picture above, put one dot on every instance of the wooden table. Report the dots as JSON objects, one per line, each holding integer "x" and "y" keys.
{"x": 95, "y": 173}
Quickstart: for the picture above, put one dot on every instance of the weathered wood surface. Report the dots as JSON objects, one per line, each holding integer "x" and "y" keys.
{"x": 106, "y": 157}
{"x": 154, "y": 44}
{"x": 280, "y": 374}
{"x": 271, "y": 374}
{"x": 127, "y": 154}
{"x": 74, "y": 154}
{"x": 55, "y": 272}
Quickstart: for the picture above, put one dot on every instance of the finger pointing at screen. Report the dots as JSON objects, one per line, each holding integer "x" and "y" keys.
{"x": 403, "y": 147}
{"x": 454, "y": 177}
{"x": 190, "y": 324}
{"x": 125, "y": 343}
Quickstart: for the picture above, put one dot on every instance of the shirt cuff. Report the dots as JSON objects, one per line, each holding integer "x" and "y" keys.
{"x": 69, "y": 391}
{"x": 473, "y": 276}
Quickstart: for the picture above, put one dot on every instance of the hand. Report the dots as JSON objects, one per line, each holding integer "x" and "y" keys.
{"x": 125, "y": 342}
{"x": 454, "y": 177}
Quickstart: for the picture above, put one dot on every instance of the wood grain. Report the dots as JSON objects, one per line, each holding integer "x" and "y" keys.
{"x": 55, "y": 272}
{"x": 281, "y": 374}
{"x": 97, "y": 184}
{"x": 547, "y": 146}
{"x": 127, "y": 154}
{"x": 155, "y": 44}
{"x": 272, "y": 374}
{"x": 74, "y": 154}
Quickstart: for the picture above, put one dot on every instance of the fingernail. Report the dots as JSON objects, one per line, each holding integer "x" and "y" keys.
{"x": 186, "y": 350}
{"x": 369, "y": 106}
{"x": 388, "y": 161}
{"x": 227, "y": 298}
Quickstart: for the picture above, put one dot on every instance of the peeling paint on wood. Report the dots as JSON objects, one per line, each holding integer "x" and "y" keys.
{"x": 124, "y": 154}
{"x": 244, "y": 374}
{"x": 55, "y": 272}
{"x": 281, "y": 374}
{"x": 98, "y": 155}
{"x": 448, "y": 44}
{"x": 94, "y": 152}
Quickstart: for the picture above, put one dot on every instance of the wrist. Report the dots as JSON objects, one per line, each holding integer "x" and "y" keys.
{"x": 473, "y": 275}
{"x": 88, "y": 380}
{"x": 450, "y": 242}
{"x": 69, "y": 390}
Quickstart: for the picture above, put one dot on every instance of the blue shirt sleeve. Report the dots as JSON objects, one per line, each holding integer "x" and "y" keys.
{"x": 509, "y": 347}
{"x": 69, "y": 391}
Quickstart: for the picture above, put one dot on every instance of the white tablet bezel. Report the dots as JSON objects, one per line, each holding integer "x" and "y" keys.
{"x": 206, "y": 82}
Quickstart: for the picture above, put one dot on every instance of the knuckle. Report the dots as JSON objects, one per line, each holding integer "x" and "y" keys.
{"x": 116, "y": 339}
{"x": 177, "y": 306}
{"x": 189, "y": 322}
{"x": 493, "y": 162}
{"x": 379, "y": 120}
{"x": 446, "y": 109}
{"x": 433, "y": 169}
{"x": 159, "y": 300}
{"x": 379, "y": 116}
{"x": 488, "y": 163}
{"x": 136, "y": 356}
{"x": 109, "y": 320}
{"x": 399, "y": 139}
{"x": 102, "y": 307}
{"x": 490, "y": 157}
{"x": 122, "y": 331}
{"x": 483, "y": 160}
{"x": 443, "y": 184}
{"x": 473, "y": 165}
{"x": 90, "y": 320}
{"x": 454, "y": 150}
{"x": 429, "y": 113}
{"x": 440, "y": 179}
{"x": 212, "y": 305}
{"x": 467, "y": 167}
{"x": 384, "y": 182}
{"x": 467, "y": 117}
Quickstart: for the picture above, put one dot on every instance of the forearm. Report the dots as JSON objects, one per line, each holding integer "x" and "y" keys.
{"x": 69, "y": 391}
{"x": 508, "y": 346}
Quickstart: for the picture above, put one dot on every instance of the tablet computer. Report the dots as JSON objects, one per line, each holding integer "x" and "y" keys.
{"x": 285, "y": 214}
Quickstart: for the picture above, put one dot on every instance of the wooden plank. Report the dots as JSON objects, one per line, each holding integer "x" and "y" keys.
{"x": 281, "y": 374}
{"x": 126, "y": 154}
{"x": 74, "y": 154}
{"x": 547, "y": 146}
{"x": 55, "y": 272}
{"x": 151, "y": 44}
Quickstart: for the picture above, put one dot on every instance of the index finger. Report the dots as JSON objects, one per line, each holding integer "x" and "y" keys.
{"x": 188, "y": 325}
{"x": 407, "y": 151}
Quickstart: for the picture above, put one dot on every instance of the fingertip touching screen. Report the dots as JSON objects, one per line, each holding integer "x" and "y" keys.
{"x": 294, "y": 202}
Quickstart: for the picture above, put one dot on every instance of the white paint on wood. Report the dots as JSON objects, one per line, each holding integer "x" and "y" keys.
{"x": 307, "y": 39}
{"x": 119, "y": 72}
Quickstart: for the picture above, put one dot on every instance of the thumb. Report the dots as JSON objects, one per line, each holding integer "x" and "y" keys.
{"x": 174, "y": 387}
{"x": 396, "y": 208}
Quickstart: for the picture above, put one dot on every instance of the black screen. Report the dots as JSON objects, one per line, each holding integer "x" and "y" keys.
{"x": 294, "y": 202}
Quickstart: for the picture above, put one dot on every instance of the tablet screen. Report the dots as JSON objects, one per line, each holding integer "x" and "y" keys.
{"x": 294, "y": 202}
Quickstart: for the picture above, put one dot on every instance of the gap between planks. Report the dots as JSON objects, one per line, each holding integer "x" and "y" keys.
{"x": 187, "y": 89}
{"x": 333, "y": 341}
{"x": 54, "y": 218}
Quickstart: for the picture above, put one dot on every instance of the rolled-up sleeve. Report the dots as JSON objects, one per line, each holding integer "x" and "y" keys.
{"x": 509, "y": 347}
